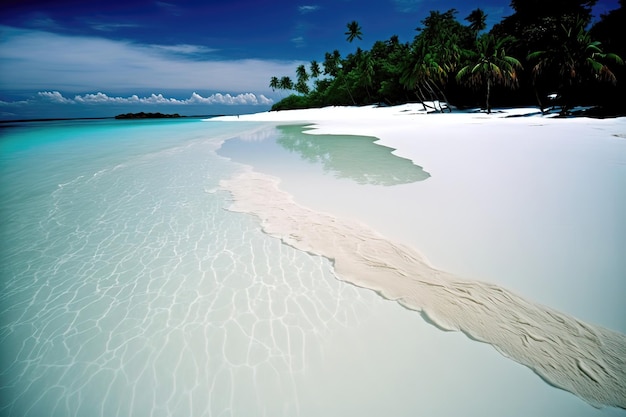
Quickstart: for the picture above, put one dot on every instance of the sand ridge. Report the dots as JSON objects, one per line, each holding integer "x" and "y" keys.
{"x": 587, "y": 360}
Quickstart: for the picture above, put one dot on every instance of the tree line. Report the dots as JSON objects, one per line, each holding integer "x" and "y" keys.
{"x": 544, "y": 54}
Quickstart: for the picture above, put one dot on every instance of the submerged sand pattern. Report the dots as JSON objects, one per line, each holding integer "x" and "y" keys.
{"x": 587, "y": 360}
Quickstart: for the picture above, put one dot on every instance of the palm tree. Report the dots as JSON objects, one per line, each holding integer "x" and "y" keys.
{"x": 435, "y": 54}
{"x": 332, "y": 63}
{"x": 285, "y": 83}
{"x": 301, "y": 85}
{"x": 333, "y": 67}
{"x": 315, "y": 69}
{"x": 490, "y": 65}
{"x": 274, "y": 83}
{"x": 389, "y": 64}
{"x": 354, "y": 31}
{"x": 365, "y": 67}
{"x": 478, "y": 21}
{"x": 426, "y": 75}
{"x": 576, "y": 60}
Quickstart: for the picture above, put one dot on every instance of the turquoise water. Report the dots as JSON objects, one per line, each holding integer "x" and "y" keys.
{"x": 129, "y": 289}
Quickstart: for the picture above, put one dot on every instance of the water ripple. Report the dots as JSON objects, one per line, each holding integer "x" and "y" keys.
{"x": 136, "y": 293}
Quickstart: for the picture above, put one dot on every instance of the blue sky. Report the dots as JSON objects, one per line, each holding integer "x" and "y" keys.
{"x": 73, "y": 58}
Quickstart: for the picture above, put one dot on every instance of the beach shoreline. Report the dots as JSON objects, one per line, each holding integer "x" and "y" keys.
{"x": 543, "y": 179}
{"x": 422, "y": 142}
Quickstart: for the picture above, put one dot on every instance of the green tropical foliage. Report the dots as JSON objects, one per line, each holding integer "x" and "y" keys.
{"x": 489, "y": 65}
{"x": 301, "y": 85}
{"x": 285, "y": 83}
{"x": 354, "y": 31}
{"x": 537, "y": 23}
{"x": 542, "y": 48}
{"x": 576, "y": 61}
{"x": 315, "y": 69}
{"x": 435, "y": 54}
{"x": 478, "y": 21}
{"x": 274, "y": 83}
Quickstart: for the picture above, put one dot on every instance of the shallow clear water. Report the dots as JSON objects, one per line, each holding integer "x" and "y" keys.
{"x": 129, "y": 289}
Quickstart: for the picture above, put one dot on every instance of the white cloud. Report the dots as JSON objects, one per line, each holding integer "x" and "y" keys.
{"x": 298, "y": 41}
{"x": 155, "y": 99}
{"x": 308, "y": 9}
{"x": 184, "y": 49}
{"x": 247, "y": 98}
{"x": 15, "y": 103}
{"x": 54, "y": 96}
{"x": 42, "y": 61}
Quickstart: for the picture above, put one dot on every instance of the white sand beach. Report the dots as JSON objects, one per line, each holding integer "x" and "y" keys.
{"x": 516, "y": 239}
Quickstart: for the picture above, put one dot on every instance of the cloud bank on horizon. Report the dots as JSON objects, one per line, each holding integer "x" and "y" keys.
{"x": 101, "y": 98}
{"x": 95, "y": 105}
{"x": 36, "y": 66}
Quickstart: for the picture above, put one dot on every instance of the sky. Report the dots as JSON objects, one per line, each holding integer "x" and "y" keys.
{"x": 94, "y": 58}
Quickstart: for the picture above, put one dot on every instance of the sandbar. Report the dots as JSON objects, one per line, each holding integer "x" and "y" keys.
{"x": 506, "y": 153}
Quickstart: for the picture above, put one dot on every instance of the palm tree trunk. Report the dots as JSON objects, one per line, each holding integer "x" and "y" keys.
{"x": 350, "y": 94}
{"x": 422, "y": 97}
{"x": 445, "y": 99}
{"x": 433, "y": 96}
{"x": 345, "y": 84}
{"x": 566, "y": 100}
{"x": 419, "y": 95}
{"x": 488, "y": 92}
{"x": 538, "y": 98}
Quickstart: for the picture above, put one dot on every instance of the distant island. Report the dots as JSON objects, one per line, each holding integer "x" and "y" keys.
{"x": 143, "y": 115}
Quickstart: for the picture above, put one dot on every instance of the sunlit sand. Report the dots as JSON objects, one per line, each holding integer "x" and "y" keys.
{"x": 537, "y": 197}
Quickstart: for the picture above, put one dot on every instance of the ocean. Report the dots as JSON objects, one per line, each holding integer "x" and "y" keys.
{"x": 130, "y": 288}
